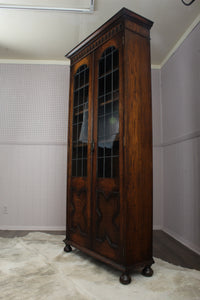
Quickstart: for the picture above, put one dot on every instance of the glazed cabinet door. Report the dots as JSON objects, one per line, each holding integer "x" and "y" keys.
{"x": 108, "y": 150}
{"x": 79, "y": 154}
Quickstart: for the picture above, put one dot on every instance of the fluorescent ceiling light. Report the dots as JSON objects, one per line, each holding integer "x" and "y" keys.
{"x": 33, "y": 7}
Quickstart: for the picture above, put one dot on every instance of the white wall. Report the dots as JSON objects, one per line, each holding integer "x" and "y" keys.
{"x": 180, "y": 79}
{"x": 157, "y": 150}
{"x": 33, "y": 146}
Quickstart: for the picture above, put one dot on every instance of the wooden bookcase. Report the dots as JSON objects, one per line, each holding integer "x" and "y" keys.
{"x": 109, "y": 182}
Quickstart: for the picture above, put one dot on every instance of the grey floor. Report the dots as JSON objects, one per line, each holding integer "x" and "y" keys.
{"x": 164, "y": 247}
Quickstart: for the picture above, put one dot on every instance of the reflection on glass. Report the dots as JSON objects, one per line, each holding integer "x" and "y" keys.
{"x": 108, "y": 114}
{"x": 80, "y": 122}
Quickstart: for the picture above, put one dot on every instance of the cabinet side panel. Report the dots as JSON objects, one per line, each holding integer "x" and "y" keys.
{"x": 138, "y": 149}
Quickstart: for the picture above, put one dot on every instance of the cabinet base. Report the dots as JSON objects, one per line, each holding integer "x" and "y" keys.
{"x": 68, "y": 248}
{"x": 125, "y": 278}
{"x": 147, "y": 271}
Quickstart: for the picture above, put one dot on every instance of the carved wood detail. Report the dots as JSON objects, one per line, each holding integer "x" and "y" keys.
{"x": 78, "y": 201}
{"x": 98, "y": 42}
{"x": 107, "y": 218}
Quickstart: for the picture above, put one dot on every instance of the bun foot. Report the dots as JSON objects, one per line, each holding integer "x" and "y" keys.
{"x": 147, "y": 271}
{"x": 125, "y": 278}
{"x": 68, "y": 248}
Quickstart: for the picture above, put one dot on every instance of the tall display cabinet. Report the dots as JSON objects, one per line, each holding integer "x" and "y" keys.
{"x": 109, "y": 180}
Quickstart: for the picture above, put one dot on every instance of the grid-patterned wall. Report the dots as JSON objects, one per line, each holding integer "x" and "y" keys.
{"x": 33, "y": 146}
{"x": 33, "y": 104}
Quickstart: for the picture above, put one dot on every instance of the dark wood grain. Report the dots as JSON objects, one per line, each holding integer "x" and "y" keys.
{"x": 138, "y": 148}
{"x": 111, "y": 218}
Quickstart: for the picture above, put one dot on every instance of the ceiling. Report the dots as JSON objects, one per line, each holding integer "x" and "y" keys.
{"x": 49, "y": 35}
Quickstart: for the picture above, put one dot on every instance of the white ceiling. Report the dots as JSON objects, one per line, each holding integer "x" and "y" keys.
{"x": 49, "y": 35}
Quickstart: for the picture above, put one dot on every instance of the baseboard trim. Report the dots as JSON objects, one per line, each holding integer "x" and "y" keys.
{"x": 35, "y": 228}
{"x": 157, "y": 227}
{"x": 180, "y": 139}
{"x": 180, "y": 239}
{"x": 50, "y": 228}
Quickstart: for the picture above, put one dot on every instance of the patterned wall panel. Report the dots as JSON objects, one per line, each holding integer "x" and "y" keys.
{"x": 33, "y": 104}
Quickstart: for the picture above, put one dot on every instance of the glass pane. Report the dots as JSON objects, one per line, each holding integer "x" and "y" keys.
{"x": 101, "y": 109}
{"x": 116, "y": 80}
{"x": 79, "y": 152}
{"x": 74, "y": 151}
{"x": 115, "y": 106}
{"x": 75, "y": 117}
{"x": 108, "y": 107}
{"x": 101, "y": 86}
{"x": 101, "y": 150}
{"x": 79, "y": 168}
{"x": 115, "y": 59}
{"x": 81, "y": 96}
{"x": 108, "y": 167}
{"x": 101, "y": 67}
{"x": 108, "y": 114}
{"x": 84, "y": 150}
{"x": 74, "y": 132}
{"x": 82, "y": 78}
{"x": 115, "y": 166}
{"x": 101, "y": 129}
{"x": 100, "y": 167}
{"x": 115, "y": 148}
{"x": 73, "y": 167}
{"x": 108, "y": 63}
{"x": 80, "y": 122}
{"x": 76, "y": 98}
{"x": 86, "y": 75}
{"x": 76, "y": 81}
{"x": 85, "y": 98}
{"x": 108, "y": 83}
{"x": 84, "y": 167}
{"x": 108, "y": 151}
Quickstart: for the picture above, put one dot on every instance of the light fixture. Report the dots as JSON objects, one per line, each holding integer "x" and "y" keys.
{"x": 32, "y": 7}
{"x": 187, "y": 3}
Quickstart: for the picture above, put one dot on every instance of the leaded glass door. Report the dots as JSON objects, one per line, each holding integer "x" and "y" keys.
{"x": 108, "y": 116}
{"x": 79, "y": 157}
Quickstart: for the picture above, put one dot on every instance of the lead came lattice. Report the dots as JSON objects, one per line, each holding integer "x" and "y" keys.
{"x": 108, "y": 114}
{"x": 80, "y": 122}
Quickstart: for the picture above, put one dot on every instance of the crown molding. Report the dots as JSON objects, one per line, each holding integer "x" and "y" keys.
{"x": 155, "y": 67}
{"x": 180, "y": 41}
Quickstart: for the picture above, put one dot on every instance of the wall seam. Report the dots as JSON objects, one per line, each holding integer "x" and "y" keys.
{"x": 180, "y": 139}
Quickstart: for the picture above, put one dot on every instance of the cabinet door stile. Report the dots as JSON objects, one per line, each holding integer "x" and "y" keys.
{"x": 107, "y": 158}
{"x": 79, "y": 157}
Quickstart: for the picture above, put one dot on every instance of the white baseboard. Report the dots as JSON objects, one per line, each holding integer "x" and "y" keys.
{"x": 157, "y": 227}
{"x": 35, "y": 228}
{"x": 180, "y": 239}
{"x": 186, "y": 243}
{"x": 50, "y": 228}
